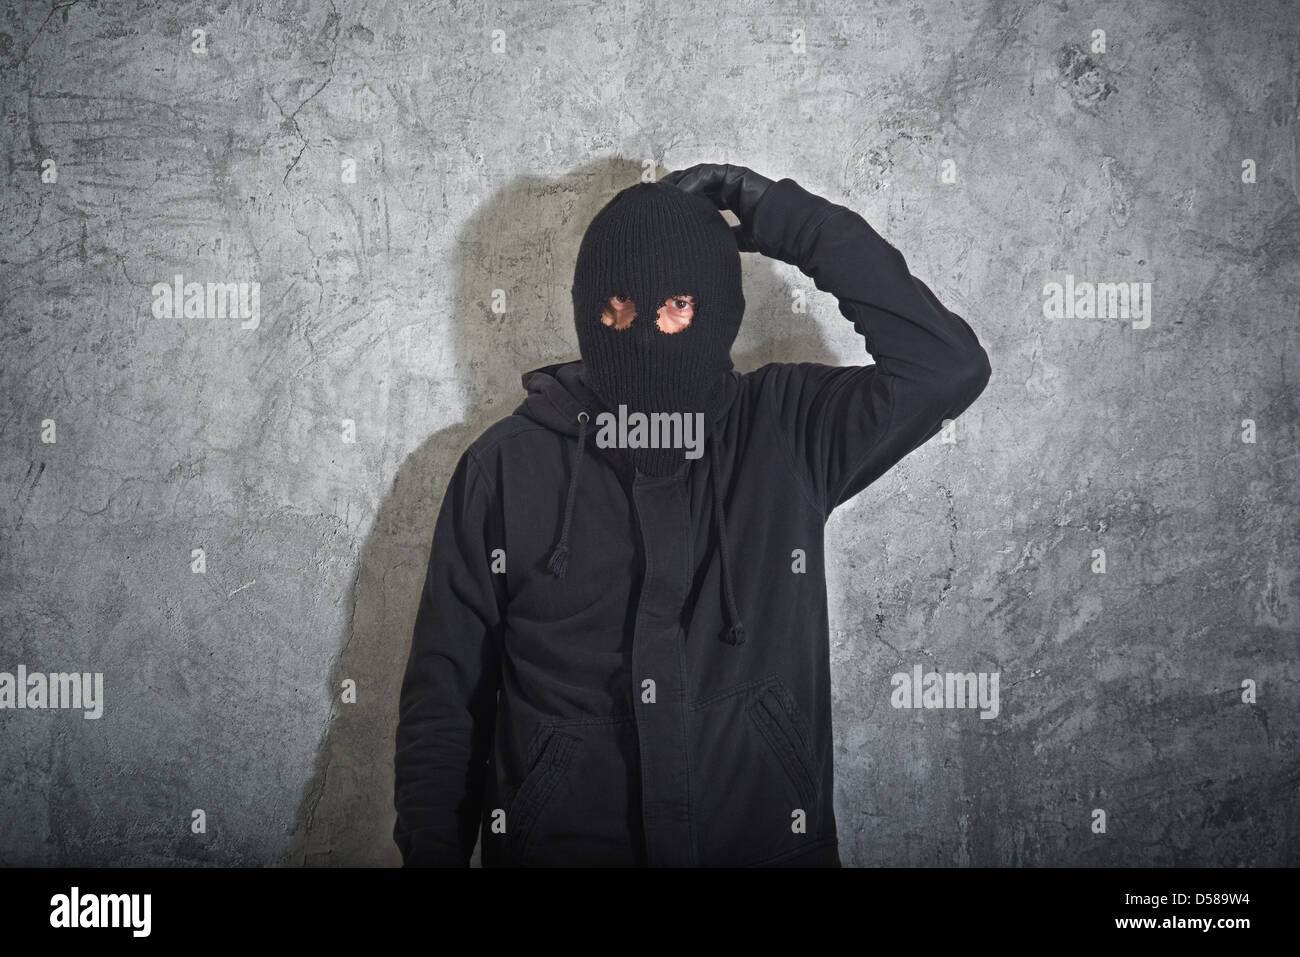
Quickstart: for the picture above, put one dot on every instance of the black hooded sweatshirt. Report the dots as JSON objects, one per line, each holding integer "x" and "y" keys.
{"x": 667, "y": 702}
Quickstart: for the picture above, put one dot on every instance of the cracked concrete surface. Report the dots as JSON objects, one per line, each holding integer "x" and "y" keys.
{"x": 476, "y": 171}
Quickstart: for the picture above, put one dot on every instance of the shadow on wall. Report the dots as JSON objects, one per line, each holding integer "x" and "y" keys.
{"x": 346, "y": 814}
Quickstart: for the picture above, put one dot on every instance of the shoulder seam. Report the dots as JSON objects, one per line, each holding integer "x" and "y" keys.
{"x": 808, "y": 493}
{"x": 527, "y": 426}
{"x": 482, "y": 472}
{"x": 889, "y": 426}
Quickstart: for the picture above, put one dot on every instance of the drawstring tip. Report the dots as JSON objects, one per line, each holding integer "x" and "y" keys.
{"x": 735, "y": 635}
{"x": 559, "y": 561}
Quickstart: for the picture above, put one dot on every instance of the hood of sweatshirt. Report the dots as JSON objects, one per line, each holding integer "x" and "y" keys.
{"x": 559, "y": 398}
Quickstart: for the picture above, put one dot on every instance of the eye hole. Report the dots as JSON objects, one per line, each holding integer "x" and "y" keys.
{"x": 618, "y": 311}
{"x": 675, "y": 314}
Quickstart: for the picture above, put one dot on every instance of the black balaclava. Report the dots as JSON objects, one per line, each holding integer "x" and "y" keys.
{"x": 653, "y": 242}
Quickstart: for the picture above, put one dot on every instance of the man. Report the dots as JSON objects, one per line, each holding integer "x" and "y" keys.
{"x": 621, "y": 655}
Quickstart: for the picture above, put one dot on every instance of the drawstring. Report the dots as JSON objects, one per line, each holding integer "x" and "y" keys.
{"x": 559, "y": 560}
{"x": 735, "y": 635}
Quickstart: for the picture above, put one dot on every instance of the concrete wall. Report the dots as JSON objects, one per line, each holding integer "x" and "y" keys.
{"x": 477, "y": 170}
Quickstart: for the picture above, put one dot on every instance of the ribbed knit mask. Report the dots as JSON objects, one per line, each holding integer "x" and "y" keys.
{"x": 653, "y": 243}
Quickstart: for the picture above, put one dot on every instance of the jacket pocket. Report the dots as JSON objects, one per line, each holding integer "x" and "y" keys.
{"x": 755, "y": 792}
{"x": 777, "y": 717}
{"x": 554, "y": 754}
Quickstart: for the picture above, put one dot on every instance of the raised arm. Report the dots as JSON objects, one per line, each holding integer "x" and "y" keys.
{"x": 847, "y": 425}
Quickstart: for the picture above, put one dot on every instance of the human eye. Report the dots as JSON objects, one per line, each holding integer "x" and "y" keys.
{"x": 619, "y": 311}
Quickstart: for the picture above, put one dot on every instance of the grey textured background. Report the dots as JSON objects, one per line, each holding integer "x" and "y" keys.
{"x": 478, "y": 171}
